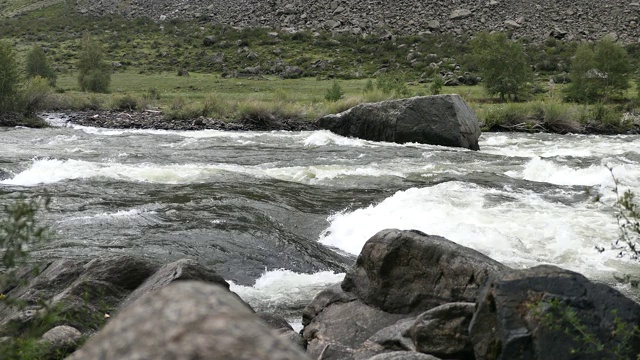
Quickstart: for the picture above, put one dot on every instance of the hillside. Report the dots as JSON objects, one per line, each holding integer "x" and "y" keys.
{"x": 573, "y": 20}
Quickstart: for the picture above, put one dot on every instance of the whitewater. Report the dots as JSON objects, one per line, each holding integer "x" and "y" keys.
{"x": 281, "y": 214}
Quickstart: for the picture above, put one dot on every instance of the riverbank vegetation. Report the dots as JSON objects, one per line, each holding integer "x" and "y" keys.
{"x": 190, "y": 69}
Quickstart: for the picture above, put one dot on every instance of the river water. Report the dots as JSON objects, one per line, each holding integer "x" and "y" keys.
{"x": 283, "y": 214}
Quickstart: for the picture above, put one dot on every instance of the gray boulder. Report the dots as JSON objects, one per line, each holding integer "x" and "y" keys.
{"x": 292, "y": 72}
{"x": 444, "y": 331}
{"x": 398, "y": 275}
{"x": 403, "y": 355}
{"x": 184, "y": 269}
{"x": 550, "y": 313}
{"x": 410, "y": 272}
{"x": 438, "y": 120}
{"x": 187, "y": 320}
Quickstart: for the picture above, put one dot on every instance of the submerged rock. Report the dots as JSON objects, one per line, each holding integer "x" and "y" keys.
{"x": 437, "y": 120}
{"x": 188, "y": 320}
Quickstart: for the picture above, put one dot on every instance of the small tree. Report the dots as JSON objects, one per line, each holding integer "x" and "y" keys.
{"x": 9, "y": 77}
{"x": 37, "y": 65}
{"x": 503, "y": 65}
{"x": 94, "y": 72}
{"x": 599, "y": 72}
{"x": 334, "y": 93}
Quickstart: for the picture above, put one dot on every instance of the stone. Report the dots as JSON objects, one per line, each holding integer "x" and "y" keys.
{"x": 403, "y": 355}
{"x": 460, "y": 14}
{"x": 187, "y": 320}
{"x": 292, "y": 72}
{"x": 62, "y": 336}
{"x": 433, "y": 24}
{"x": 524, "y": 314}
{"x": 209, "y": 41}
{"x": 183, "y": 269}
{"x": 438, "y": 120}
{"x": 407, "y": 271}
{"x": 444, "y": 331}
{"x": 274, "y": 321}
{"x": 4, "y": 174}
{"x": 512, "y": 24}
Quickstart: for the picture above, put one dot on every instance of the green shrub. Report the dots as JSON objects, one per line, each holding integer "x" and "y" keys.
{"x": 334, "y": 93}
{"x": 368, "y": 87}
{"x": 126, "y": 102}
{"x": 34, "y": 96}
{"x": 9, "y": 77}
{"x": 38, "y": 65}
{"x": 436, "y": 85}
{"x": 393, "y": 84}
{"x": 503, "y": 65}
{"x": 599, "y": 72}
{"x": 95, "y": 75}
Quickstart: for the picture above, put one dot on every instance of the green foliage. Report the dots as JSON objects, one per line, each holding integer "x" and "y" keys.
{"x": 503, "y": 65}
{"x": 126, "y": 102}
{"x": 19, "y": 231}
{"x": 94, "y": 73}
{"x": 436, "y": 85}
{"x": 393, "y": 84}
{"x": 334, "y": 93}
{"x": 628, "y": 216}
{"x": 560, "y": 317}
{"x": 599, "y": 72}
{"x": 38, "y": 65}
{"x": 9, "y": 77}
{"x": 34, "y": 96}
{"x": 368, "y": 87}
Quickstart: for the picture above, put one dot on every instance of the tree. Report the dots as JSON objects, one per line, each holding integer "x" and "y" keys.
{"x": 502, "y": 64}
{"x": 9, "y": 77}
{"x": 37, "y": 65}
{"x": 599, "y": 72}
{"x": 94, "y": 72}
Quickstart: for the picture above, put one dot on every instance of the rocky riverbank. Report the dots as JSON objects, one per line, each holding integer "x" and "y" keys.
{"x": 409, "y": 296}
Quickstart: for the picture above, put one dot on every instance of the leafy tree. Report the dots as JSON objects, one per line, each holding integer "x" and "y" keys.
{"x": 334, "y": 93}
{"x": 9, "y": 77}
{"x": 38, "y": 65}
{"x": 94, "y": 71}
{"x": 599, "y": 72}
{"x": 503, "y": 65}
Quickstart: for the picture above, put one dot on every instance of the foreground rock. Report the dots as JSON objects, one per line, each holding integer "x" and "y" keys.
{"x": 188, "y": 320}
{"x": 550, "y": 313}
{"x": 398, "y": 276}
{"x": 437, "y": 120}
{"x": 415, "y": 296}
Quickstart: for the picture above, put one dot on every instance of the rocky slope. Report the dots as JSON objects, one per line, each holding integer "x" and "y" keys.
{"x": 580, "y": 19}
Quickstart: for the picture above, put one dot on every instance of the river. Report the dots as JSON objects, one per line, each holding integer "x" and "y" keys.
{"x": 283, "y": 214}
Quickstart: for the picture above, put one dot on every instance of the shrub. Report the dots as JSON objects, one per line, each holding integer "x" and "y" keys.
{"x": 598, "y": 72}
{"x": 502, "y": 64}
{"x": 368, "y": 87}
{"x": 37, "y": 65}
{"x": 9, "y": 77}
{"x": 334, "y": 93}
{"x": 436, "y": 85}
{"x": 95, "y": 75}
{"x": 125, "y": 103}
{"x": 34, "y": 96}
{"x": 393, "y": 84}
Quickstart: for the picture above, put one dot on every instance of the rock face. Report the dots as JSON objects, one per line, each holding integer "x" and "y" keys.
{"x": 398, "y": 276}
{"x": 527, "y": 314}
{"x": 578, "y": 20}
{"x": 438, "y": 120}
{"x": 188, "y": 320}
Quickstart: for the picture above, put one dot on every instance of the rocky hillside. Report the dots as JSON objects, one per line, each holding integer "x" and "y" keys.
{"x": 569, "y": 19}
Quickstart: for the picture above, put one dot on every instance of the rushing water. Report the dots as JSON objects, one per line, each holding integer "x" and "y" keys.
{"x": 282, "y": 214}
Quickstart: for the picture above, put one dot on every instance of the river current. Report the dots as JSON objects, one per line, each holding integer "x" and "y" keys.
{"x": 283, "y": 214}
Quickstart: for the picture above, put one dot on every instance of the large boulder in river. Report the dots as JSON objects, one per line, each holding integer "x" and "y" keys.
{"x": 398, "y": 275}
{"x": 438, "y": 120}
{"x": 548, "y": 313}
{"x": 409, "y": 272}
{"x": 188, "y": 320}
